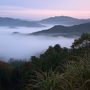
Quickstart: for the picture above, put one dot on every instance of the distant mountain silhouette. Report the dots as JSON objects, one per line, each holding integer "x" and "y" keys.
{"x": 18, "y": 23}
{"x": 64, "y": 20}
{"x": 65, "y": 31}
{"x": 57, "y": 20}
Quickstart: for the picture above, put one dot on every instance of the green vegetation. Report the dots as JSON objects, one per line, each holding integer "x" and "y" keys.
{"x": 56, "y": 69}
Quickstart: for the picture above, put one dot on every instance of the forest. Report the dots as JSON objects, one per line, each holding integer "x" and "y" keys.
{"x": 56, "y": 69}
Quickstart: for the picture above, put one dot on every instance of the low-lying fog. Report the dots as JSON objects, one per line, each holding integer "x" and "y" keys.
{"x": 22, "y": 47}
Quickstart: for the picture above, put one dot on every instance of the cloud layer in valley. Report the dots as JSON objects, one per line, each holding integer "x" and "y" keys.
{"x": 22, "y": 47}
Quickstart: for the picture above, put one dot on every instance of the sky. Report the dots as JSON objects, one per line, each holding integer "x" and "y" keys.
{"x": 38, "y": 9}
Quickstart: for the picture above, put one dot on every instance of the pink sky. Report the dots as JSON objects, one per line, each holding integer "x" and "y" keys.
{"x": 38, "y": 9}
{"x": 39, "y": 14}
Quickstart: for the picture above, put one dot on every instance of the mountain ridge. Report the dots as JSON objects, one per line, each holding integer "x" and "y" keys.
{"x": 57, "y": 20}
{"x": 65, "y": 30}
{"x": 11, "y": 22}
{"x": 64, "y": 20}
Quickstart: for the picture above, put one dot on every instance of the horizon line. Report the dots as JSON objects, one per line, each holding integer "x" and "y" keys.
{"x": 42, "y": 18}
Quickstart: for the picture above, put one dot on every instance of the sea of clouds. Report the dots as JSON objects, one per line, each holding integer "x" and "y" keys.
{"x": 23, "y": 47}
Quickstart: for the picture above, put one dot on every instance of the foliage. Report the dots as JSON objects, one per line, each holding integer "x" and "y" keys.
{"x": 5, "y": 75}
{"x": 77, "y": 76}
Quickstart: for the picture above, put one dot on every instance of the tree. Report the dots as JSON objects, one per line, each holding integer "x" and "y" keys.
{"x": 81, "y": 46}
{"x": 5, "y": 76}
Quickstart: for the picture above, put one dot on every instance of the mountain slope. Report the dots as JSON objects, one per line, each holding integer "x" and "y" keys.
{"x": 18, "y": 23}
{"x": 64, "y": 20}
{"x": 65, "y": 31}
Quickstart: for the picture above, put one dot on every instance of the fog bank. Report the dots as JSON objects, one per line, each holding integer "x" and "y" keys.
{"x": 22, "y": 47}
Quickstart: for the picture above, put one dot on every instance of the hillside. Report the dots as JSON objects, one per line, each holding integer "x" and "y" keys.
{"x": 56, "y": 69}
{"x": 65, "y": 31}
{"x": 64, "y": 20}
{"x": 18, "y": 23}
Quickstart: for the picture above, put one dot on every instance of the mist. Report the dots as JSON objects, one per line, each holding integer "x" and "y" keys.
{"x": 23, "y": 47}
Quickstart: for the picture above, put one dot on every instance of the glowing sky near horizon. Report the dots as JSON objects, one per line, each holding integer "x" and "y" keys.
{"x": 37, "y": 9}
